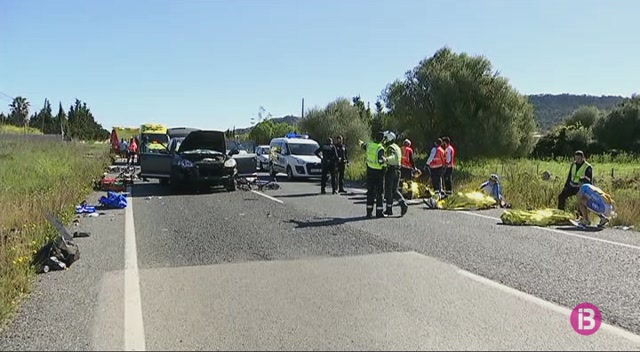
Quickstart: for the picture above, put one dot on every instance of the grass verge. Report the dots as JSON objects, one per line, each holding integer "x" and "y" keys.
{"x": 19, "y": 130}
{"x": 38, "y": 176}
{"x": 524, "y": 187}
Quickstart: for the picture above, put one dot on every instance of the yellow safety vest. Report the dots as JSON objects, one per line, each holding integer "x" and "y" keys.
{"x": 372, "y": 156}
{"x": 580, "y": 173}
{"x": 396, "y": 155}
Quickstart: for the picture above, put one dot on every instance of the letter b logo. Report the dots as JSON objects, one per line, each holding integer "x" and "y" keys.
{"x": 586, "y": 318}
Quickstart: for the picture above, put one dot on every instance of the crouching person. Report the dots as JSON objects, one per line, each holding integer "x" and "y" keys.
{"x": 493, "y": 188}
{"x": 592, "y": 198}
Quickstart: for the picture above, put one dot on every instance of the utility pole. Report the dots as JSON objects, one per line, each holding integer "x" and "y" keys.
{"x": 302, "y": 114}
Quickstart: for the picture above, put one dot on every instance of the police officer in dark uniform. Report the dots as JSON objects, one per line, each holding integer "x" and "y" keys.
{"x": 329, "y": 156}
{"x": 342, "y": 163}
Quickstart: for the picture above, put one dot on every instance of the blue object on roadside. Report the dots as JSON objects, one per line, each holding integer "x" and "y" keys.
{"x": 114, "y": 200}
{"x": 85, "y": 209}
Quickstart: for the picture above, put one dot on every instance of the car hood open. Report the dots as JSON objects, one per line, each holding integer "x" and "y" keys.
{"x": 209, "y": 140}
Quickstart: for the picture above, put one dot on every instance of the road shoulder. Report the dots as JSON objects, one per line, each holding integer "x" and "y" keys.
{"x": 78, "y": 308}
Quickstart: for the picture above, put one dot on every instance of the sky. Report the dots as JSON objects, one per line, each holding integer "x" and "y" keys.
{"x": 213, "y": 63}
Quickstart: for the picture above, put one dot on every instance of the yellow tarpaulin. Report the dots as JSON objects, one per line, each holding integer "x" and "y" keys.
{"x": 542, "y": 217}
{"x": 467, "y": 201}
{"x": 415, "y": 190}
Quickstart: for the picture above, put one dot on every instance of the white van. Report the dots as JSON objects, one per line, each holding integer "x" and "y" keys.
{"x": 295, "y": 156}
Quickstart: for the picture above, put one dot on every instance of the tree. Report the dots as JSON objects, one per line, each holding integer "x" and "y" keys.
{"x": 461, "y": 96}
{"x": 82, "y": 124}
{"x": 266, "y": 130}
{"x": 585, "y": 116}
{"x": 620, "y": 129}
{"x": 19, "y": 113}
{"x": 43, "y": 120}
{"x": 59, "y": 125}
{"x": 339, "y": 117}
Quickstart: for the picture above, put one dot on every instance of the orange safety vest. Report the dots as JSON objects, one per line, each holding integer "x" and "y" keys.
{"x": 439, "y": 159}
{"x": 406, "y": 157}
{"x": 453, "y": 155}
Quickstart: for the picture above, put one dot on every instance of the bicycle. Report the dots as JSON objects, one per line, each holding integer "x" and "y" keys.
{"x": 247, "y": 184}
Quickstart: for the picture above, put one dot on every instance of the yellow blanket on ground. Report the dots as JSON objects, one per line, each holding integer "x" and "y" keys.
{"x": 467, "y": 201}
{"x": 415, "y": 190}
{"x": 541, "y": 217}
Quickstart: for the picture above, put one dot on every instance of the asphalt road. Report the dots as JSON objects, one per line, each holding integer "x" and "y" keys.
{"x": 294, "y": 270}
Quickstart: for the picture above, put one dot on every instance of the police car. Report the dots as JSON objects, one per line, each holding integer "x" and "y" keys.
{"x": 294, "y": 155}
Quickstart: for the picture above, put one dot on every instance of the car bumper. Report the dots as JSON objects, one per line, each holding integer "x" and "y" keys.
{"x": 307, "y": 170}
{"x": 195, "y": 177}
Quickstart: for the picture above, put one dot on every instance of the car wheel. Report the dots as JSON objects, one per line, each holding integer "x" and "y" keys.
{"x": 290, "y": 176}
{"x": 175, "y": 186}
{"x": 231, "y": 186}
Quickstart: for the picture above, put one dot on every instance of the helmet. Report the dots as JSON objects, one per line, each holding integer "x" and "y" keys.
{"x": 494, "y": 177}
{"x": 407, "y": 142}
{"x": 389, "y": 136}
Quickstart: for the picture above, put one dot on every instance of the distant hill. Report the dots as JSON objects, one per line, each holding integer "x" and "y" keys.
{"x": 550, "y": 109}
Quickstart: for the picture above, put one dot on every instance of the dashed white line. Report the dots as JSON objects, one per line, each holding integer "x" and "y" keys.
{"x": 134, "y": 339}
{"x": 267, "y": 196}
{"x": 545, "y": 304}
{"x": 560, "y": 232}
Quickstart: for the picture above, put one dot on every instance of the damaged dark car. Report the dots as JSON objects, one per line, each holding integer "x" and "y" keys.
{"x": 201, "y": 161}
{"x": 196, "y": 161}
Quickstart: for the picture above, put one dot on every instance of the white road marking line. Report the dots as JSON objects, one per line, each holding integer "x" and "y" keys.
{"x": 134, "y": 339}
{"x": 560, "y": 232}
{"x": 267, "y": 196}
{"x": 546, "y": 304}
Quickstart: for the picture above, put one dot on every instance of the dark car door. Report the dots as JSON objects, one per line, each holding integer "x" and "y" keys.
{"x": 157, "y": 165}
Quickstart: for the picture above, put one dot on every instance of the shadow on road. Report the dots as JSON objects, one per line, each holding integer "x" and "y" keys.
{"x": 299, "y": 195}
{"x": 142, "y": 190}
{"x": 327, "y": 222}
{"x": 573, "y": 228}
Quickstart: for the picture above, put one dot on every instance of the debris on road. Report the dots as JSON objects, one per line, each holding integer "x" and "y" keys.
{"x": 113, "y": 200}
{"x": 542, "y": 217}
{"x": 84, "y": 208}
{"x": 59, "y": 253}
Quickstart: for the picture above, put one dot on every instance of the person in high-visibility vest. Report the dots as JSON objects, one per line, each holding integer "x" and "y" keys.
{"x": 449, "y": 163}
{"x": 592, "y": 198}
{"x": 408, "y": 163}
{"x": 435, "y": 165}
{"x": 392, "y": 175}
{"x": 375, "y": 160}
{"x": 579, "y": 168}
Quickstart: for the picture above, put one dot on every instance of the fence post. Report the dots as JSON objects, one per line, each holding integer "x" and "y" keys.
{"x": 612, "y": 173}
{"x": 537, "y": 169}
